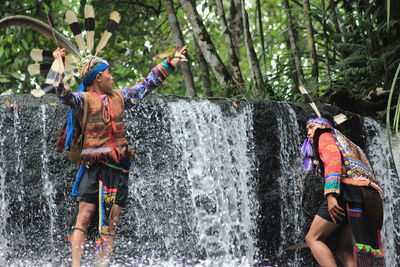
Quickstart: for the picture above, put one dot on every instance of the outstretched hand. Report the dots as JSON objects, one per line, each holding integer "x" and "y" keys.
{"x": 179, "y": 56}
{"x": 59, "y": 52}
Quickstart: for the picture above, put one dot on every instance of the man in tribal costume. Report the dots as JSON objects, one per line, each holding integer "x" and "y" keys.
{"x": 102, "y": 181}
{"x": 352, "y": 198}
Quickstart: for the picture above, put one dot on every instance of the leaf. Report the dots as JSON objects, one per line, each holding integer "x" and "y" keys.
{"x": 4, "y": 79}
{"x": 25, "y": 44}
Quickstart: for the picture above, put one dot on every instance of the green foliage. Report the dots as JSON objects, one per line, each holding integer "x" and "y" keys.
{"x": 363, "y": 55}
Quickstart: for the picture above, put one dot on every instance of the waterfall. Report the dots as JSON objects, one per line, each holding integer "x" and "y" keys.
{"x": 48, "y": 187}
{"x": 4, "y": 212}
{"x": 292, "y": 221}
{"x": 192, "y": 185}
{"x": 377, "y": 147}
{"x": 214, "y": 183}
{"x": 218, "y": 164}
{"x": 17, "y": 139}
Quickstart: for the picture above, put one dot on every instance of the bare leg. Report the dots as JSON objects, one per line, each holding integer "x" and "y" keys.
{"x": 85, "y": 213}
{"x": 319, "y": 230}
{"x": 345, "y": 248}
{"x": 104, "y": 254}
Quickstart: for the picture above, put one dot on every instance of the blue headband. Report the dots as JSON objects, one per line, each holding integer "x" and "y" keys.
{"x": 91, "y": 75}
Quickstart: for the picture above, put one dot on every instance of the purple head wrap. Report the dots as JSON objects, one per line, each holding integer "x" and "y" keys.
{"x": 319, "y": 120}
{"x": 307, "y": 148}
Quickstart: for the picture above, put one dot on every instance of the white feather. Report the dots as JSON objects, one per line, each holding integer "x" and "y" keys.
{"x": 89, "y": 13}
{"x": 38, "y": 92}
{"x": 115, "y": 16}
{"x": 103, "y": 41}
{"x": 340, "y": 118}
{"x": 71, "y": 18}
{"x": 36, "y": 54}
{"x": 33, "y": 69}
{"x": 8, "y": 92}
{"x": 56, "y": 72}
{"x": 81, "y": 43}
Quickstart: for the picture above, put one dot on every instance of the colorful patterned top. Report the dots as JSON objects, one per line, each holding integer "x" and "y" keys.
{"x": 132, "y": 95}
{"x": 343, "y": 162}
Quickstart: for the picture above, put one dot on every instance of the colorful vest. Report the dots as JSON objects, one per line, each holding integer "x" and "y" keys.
{"x": 104, "y": 134}
{"x": 359, "y": 171}
{"x": 356, "y": 169}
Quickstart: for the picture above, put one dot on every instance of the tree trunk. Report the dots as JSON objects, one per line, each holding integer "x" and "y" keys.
{"x": 220, "y": 71}
{"x": 311, "y": 44}
{"x": 293, "y": 46}
{"x": 236, "y": 25}
{"x": 260, "y": 25}
{"x": 254, "y": 65}
{"x": 326, "y": 50}
{"x": 234, "y": 61}
{"x": 338, "y": 32}
{"x": 292, "y": 65}
{"x": 204, "y": 71}
{"x": 178, "y": 38}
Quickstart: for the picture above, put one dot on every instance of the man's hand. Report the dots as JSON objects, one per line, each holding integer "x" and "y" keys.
{"x": 59, "y": 52}
{"x": 335, "y": 211}
{"x": 179, "y": 56}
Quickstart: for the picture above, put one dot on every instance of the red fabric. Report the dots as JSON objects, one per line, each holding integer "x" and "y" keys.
{"x": 62, "y": 137}
{"x": 330, "y": 154}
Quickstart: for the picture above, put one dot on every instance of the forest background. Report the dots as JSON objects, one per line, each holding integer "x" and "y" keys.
{"x": 345, "y": 52}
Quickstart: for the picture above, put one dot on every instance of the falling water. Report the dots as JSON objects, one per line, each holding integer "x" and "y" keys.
{"x": 218, "y": 165}
{"x": 191, "y": 186}
{"x": 377, "y": 147}
{"x": 197, "y": 186}
{"x": 17, "y": 139}
{"x": 4, "y": 213}
{"x": 290, "y": 182}
{"x": 48, "y": 189}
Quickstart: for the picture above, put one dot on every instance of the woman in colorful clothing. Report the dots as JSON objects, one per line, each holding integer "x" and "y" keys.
{"x": 352, "y": 198}
{"x": 102, "y": 181}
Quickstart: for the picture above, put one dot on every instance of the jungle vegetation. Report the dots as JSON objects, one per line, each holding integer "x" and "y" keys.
{"x": 345, "y": 52}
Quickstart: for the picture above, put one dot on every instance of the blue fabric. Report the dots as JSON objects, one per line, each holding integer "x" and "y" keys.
{"x": 91, "y": 75}
{"x": 166, "y": 65}
{"x": 78, "y": 178}
{"x": 70, "y": 130}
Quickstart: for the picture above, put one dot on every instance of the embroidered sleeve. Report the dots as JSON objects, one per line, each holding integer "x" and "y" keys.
{"x": 157, "y": 75}
{"x": 74, "y": 100}
{"x": 331, "y": 158}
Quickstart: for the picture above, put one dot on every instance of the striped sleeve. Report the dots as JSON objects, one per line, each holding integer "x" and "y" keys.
{"x": 332, "y": 160}
{"x": 74, "y": 100}
{"x": 157, "y": 75}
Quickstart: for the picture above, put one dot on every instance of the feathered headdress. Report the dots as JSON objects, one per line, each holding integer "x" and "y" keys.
{"x": 68, "y": 66}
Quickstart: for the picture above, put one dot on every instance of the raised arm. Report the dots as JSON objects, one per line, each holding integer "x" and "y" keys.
{"x": 157, "y": 75}
{"x": 65, "y": 96}
{"x": 74, "y": 100}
